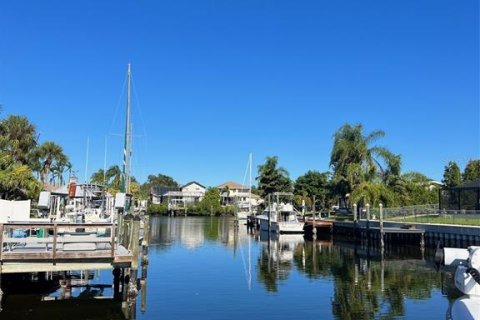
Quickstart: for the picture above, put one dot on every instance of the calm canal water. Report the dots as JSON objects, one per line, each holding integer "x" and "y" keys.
{"x": 202, "y": 268}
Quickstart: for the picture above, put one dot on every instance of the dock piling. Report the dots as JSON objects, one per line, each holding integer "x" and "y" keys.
{"x": 367, "y": 206}
{"x": 382, "y": 233}
{"x": 355, "y": 220}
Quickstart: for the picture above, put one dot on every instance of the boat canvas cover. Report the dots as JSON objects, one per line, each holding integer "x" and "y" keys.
{"x": 11, "y": 211}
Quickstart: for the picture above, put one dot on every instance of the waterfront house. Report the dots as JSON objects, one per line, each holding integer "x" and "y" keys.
{"x": 193, "y": 192}
{"x": 231, "y": 192}
{"x": 234, "y": 193}
{"x": 158, "y": 193}
{"x": 177, "y": 198}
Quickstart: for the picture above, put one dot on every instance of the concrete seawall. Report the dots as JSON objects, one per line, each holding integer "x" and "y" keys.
{"x": 449, "y": 235}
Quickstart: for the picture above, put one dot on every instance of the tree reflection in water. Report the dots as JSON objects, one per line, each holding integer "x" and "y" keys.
{"x": 367, "y": 284}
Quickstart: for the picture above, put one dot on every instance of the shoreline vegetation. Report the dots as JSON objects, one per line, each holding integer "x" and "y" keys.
{"x": 361, "y": 172}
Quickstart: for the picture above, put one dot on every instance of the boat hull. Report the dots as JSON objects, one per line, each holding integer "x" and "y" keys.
{"x": 242, "y": 215}
{"x": 264, "y": 225}
{"x": 291, "y": 227}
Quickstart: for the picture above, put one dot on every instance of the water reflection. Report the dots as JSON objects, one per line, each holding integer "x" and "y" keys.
{"x": 73, "y": 295}
{"x": 277, "y": 258}
{"x": 192, "y": 232}
{"x": 366, "y": 282}
{"x": 200, "y": 261}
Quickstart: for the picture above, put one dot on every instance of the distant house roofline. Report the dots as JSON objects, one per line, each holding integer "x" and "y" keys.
{"x": 232, "y": 185}
{"x": 192, "y": 182}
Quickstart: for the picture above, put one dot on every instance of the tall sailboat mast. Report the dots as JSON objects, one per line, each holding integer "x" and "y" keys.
{"x": 250, "y": 186}
{"x": 128, "y": 141}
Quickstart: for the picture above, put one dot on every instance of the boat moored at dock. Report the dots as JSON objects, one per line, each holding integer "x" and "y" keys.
{"x": 280, "y": 217}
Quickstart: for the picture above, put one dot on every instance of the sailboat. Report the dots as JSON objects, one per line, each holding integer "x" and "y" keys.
{"x": 88, "y": 202}
{"x": 244, "y": 209}
{"x": 123, "y": 198}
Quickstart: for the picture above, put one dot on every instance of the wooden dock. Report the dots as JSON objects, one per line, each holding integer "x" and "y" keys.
{"x": 35, "y": 247}
{"x": 318, "y": 226}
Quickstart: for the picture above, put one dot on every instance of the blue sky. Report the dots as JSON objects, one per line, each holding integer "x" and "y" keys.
{"x": 215, "y": 80}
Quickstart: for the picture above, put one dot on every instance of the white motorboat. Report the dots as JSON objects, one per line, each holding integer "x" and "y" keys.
{"x": 280, "y": 217}
{"x": 467, "y": 280}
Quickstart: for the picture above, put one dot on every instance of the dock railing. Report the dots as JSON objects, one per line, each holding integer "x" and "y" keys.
{"x": 428, "y": 214}
{"x": 56, "y": 242}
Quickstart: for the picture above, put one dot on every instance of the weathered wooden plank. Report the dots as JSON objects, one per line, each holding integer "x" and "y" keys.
{"x": 22, "y": 267}
{"x": 28, "y": 240}
{"x": 1, "y": 241}
{"x": 59, "y": 224}
{"x": 54, "y": 247}
{"x": 112, "y": 231}
{"x": 84, "y": 254}
{"x": 123, "y": 259}
{"x": 58, "y": 240}
{"x": 47, "y": 256}
{"x": 84, "y": 239}
{"x": 27, "y": 256}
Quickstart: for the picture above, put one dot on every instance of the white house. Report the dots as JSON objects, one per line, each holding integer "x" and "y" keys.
{"x": 235, "y": 193}
{"x": 193, "y": 192}
{"x": 178, "y": 198}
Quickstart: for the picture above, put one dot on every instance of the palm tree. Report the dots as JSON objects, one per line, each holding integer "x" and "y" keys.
{"x": 58, "y": 169}
{"x": 272, "y": 178}
{"x": 69, "y": 168}
{"x": 18, "y": 138}
{"x": 355, "y": 161}
{"x": 98, "y": 177}
{"x": 48, "y": 154}
{"x": 114, "y": 177}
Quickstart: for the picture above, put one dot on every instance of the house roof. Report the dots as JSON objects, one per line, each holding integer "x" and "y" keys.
{"x": 192, "y": 182}
{"x": 232, "y": 185}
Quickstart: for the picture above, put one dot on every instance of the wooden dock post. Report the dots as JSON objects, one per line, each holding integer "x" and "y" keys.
{"x": 116, "y": 282}
{"x": 143, "y": 303}
{"x": 54, "y": 246}
{"x": 1, "y": 244}
{"x": 355, "y": 218}
{"x": 1, "y": 291}
{"x": 127, "y": 230}
{"x": 269, "y": 213}
{"x": 382, "y": 233}
{"x": 120, "y": 228}
{"x": 367, "y": 206}
{"x": 146, "y": 235}
{"x": 134, "y": 246}
{"x": 277, "y": 213}
{"x": 143, "y": 277}
{"x": 314, "y": 227}
{"x": 313, "y": 207}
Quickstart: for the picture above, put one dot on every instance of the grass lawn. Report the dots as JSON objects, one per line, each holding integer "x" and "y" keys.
{"x": 449, "y": 219}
